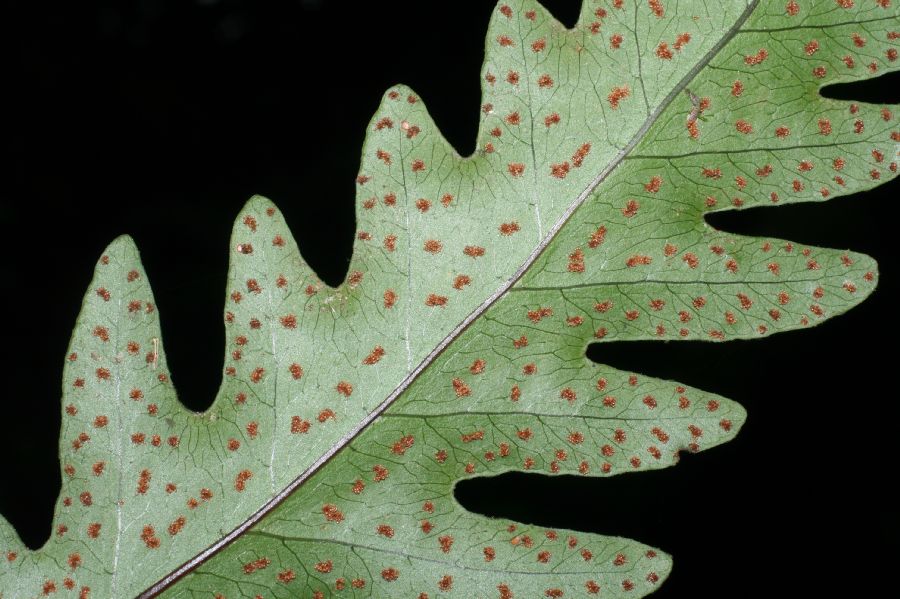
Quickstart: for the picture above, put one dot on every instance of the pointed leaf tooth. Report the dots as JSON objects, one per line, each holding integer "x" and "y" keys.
{"x": 714, "y": 286}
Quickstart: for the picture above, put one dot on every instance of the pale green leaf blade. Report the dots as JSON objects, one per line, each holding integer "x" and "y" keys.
{"x": 456, "y": 345}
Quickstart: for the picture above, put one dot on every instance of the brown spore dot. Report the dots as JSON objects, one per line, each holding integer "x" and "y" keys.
{"x": 509, "y": 228}
{"x": 435, "y": 300}
{"x": 461, "y": 388}
{"x": 663, "y": 52}
{"x": 445, "y": 583}
{"x": 404, "y": 443}
{"x": 390, "y": 298}
{"x": 324, "y": 567}
{"x": 560, "y": 170}
{"x": 240, "y": 481}
{"x": 259, "y": 564}
{"x": 354, "y": 278}
{"x": 618, "y": 94}
{"x": 390, "y": 574}
{"x": 568, "y": 394}
{"x": 374, "y": 356}
{"x": 515, "y": 393}
{"x": 758, "y": 58}
{"x": 461, "y": 281}
{"x": 286, "y": 576}
{"x": 299, "y": 425}
{"x": 177, "y": 525}
{"x": 381, "y": 473}
{"x": 473, "y": 436}
{"x": 101, "y": 333}
{"x": 385, "y": 530}
{"x": 446, "y": 543}
{"x": 144, "y": 481}
{"x": 332, "y": 513}
{"x": 296, "y": 373}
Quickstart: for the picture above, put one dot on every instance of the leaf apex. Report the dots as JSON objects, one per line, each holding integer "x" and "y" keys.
{"x": 124, "y": 242}
{"x": 738, "y": 417}
{"x": 258, "y": 202}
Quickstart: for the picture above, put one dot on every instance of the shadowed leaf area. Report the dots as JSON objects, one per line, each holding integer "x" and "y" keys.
{"x": 456, "y": 345}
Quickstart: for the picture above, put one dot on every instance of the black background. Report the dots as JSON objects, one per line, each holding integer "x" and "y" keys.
{"x": 161, "y": 117}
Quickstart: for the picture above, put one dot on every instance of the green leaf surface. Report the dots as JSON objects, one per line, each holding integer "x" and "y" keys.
{"x": 456, "y": 346}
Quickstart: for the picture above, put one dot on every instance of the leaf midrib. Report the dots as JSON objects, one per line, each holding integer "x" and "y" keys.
{"x": 623, "y": 283}
{"x": 190, "y": 565}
